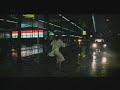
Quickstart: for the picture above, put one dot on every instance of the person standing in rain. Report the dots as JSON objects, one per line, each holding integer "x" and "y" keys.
{"x": 56, "y": 44}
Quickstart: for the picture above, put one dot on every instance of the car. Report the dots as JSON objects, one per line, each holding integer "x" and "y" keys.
{"x": 99, "y": 51}
{"x": 99, "y": 45}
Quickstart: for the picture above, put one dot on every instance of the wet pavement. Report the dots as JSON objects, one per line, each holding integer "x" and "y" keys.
{"x": 72, "y": 67}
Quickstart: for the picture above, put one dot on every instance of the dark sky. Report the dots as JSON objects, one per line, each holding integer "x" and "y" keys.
{"x": 100, "y": 23}
{"x": 115, "y": 19}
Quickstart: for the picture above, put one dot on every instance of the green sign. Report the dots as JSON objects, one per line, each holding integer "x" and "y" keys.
{"x": 84, "y": 33}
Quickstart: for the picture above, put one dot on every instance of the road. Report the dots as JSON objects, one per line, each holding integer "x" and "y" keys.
{"x": 46, "y": 67}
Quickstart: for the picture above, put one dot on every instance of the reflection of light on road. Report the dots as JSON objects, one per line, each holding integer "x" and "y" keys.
{"x": 27, "y": 51}
{"x": 94, "y": 65}
{"x": 78, "y": 58}
{"x": 100, "y": 63}
{"x": 79, "y": 54}
{"x": 104, "y": 60}
{"x": 104, "y": 53}
{"x": 94, "y": 57}
{"x": 94, "y": 53}
{"x": 103, "y": 72}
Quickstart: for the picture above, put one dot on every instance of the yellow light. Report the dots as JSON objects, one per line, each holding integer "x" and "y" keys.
{"x": 29, "y": 16}
{"x": 84, "y": 33}
{"x": 94, "y": 45}
{"x": 94, "y": 53}
{"x": 79, "y": 40}
{"x": 94, "y": 57}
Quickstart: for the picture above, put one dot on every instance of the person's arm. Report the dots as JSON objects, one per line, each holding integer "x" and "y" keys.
{"x": 62, "y": 44}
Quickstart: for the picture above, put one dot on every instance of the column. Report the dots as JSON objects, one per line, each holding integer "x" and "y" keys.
{"x": 19, "y": 40}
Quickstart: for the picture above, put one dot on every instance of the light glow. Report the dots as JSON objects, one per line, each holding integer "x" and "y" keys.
{"x": 28, "y": 34}
{"x": 91, "y": 36}
{"x": 63, "y": 35}
{"x": 11, "y": 21}
{"x": 104, "y": 45}
{"x": 84, "y": 33}
{"x": 2, "y": 19}
{"x": 99, "y": 40}
{"x": 79, "y": 40}
{"x": 29, "y": 15}
{"x": 94, "y": 45}
{"x": 104, "y": 59}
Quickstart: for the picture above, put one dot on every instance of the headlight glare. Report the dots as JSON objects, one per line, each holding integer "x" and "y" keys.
{"x": 94, "y": 45}
{"x": 104, "y": 45}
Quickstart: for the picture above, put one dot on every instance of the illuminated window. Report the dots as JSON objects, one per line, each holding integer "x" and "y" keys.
{"x": 35, "y": 33}
{"x": 15, "y": 34}
{"x": 1, "y": 35}
{"x": 28, "y": 34}
{"x": 40, "y": 33}
{"x": 7, "y": 35}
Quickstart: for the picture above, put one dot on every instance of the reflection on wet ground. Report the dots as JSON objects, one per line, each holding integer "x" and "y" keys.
{"x": 93, "y": 66}
{"x": 28, "y": 51}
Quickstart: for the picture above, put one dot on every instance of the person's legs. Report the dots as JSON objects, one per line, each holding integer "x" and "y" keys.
{"x": 59, "y": 58}
{"x": 58, "y": 63}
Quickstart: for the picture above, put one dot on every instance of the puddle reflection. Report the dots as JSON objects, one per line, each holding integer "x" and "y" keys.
{"x": 28, "y": 51}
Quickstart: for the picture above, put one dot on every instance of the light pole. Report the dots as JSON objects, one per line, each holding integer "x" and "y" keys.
{"x": 94, "y": 24}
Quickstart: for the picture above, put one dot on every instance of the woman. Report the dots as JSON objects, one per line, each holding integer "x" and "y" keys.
{"x": 56, "y": 44}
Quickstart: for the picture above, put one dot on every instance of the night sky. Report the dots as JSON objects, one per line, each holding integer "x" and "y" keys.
{"x": 100, "y": 23}
{"x": 115, "y": 23}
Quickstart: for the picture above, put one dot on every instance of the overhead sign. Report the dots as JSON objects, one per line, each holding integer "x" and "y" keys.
{"x": 25, "y": 25}
{"x": 29, "y": 15}
{"x": 84, "y": 33}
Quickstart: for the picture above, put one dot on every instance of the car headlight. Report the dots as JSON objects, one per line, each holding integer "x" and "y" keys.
{"x": 94, "y": 45}
{"x": 104, "y": 45}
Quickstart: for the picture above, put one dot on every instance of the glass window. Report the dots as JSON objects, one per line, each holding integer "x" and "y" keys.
{"x": 1, "y": 35}
{"x": 27, "y": 34}
{"x": 15, "y": 34}
{"x": 7, "y": 35}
